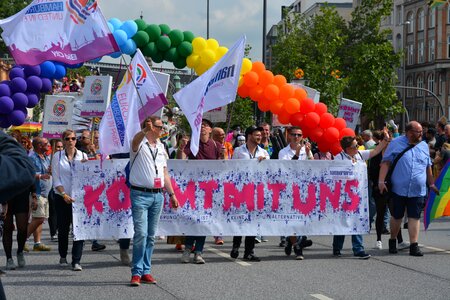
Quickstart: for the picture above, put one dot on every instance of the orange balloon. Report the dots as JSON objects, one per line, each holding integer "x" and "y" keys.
{"x": 276, "y": 106}
{"x": 292, "y": 105}
{"x": 243, "y": 91}
{"x": 286, "y": 92}
{"x": 256, "y": 93}
{"x": 264, "y": 104}
{"x": 300, "y": 94}
{"x": 279, "y": 80}
{"x": 251, "y": 79}
{"x": 284, "y": 117}
{"x": 340, "y": 123}
{"x": 258, "y": 67}
{"x": 271, "y": 92}
{"x": 265, "y": 78}
{"x": 307, "y": 106}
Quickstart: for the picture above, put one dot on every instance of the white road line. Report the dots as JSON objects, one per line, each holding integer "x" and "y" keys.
{"x": 433, "y": 248}
{"x": 227, "y": 256}
{"x": 321, "y": 297}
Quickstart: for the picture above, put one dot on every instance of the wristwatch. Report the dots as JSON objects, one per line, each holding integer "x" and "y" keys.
{"x": 171, "y": 195}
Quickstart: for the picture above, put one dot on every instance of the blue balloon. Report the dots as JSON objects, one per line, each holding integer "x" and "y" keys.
{"x": 17, "y": 117}
{"x": 120, "y": 36}
{"x": 116, "y": 23}
{"x": 48, "y": 69}
{"x": 115, "y": 54}
{"x": 46, "y": 85}
{"x": 20, "y": 100}
{"x": 16, "y": 72}
{"x": 130, "y": 27}
{"x": 60, "y": 71}
{"x": 129, "y": 47}
{"x": 32, "y": 70}
{"x": 75, "y": 66}
{"x": 4, "y": 90}
{"x": 6, "y": 105}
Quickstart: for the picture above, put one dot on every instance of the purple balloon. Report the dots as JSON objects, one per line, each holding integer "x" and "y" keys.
{"x": 34, "y": 84}
{"x": 20, "y": 100}
{"x": 46, "y": 85}
{"x": 60, "y": 71}
{"x": 6, "y": 105}
{"x": 32, "y": 70}
{"x": 5, "y": 90}
{"x": 33, "y": 99}
{"x": 18, "y": 85}
{"x": 16, "y": 72}
{"x": 17, "y": 117}
{"x": 4, "y": 121}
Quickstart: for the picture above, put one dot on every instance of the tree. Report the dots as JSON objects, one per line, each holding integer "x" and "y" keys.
{"x": 9, "y": 8}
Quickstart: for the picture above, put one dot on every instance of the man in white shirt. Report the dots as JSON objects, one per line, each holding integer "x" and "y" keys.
{"x": 296, "y": 150}
{"x": 250, "y": 150}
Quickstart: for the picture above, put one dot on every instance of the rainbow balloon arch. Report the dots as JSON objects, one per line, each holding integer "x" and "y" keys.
{"x": 182, "y": 48}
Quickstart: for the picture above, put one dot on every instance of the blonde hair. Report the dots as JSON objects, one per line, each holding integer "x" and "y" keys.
{"x": 67, "y": 132}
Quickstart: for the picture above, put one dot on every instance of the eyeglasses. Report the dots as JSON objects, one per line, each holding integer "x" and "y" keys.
{"x": 85, "y": 137}
{"x": 158, "y": 127}
{"x": 297, "y": 134}
{"x": 353, "y": 146}
{"x": 70, "y": 138}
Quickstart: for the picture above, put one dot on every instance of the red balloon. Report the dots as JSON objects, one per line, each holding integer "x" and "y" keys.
{"x": 243, "y": 91}
{"x": 323, "y": 146}
{"x": 340, "y": 123}
{"x": 316, "y": 133}
{"x": 331, "y": 135}
{"x": 311, "y": 120}
{"x": 335, "y": 148}
{"x": 256, "y": 93}
{"x": 264, "y": 104}
{"x": 305, "y": 132}
{"x": 284, "y": 117}
{"x": 307, "y": 105}
{"x": 326, "y": 120}
{"x": 346, "y": 132}
{"x": 297, "y": 119}
{"x": 320, "y": 108}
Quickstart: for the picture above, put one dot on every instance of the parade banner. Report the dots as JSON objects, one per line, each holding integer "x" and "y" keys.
{"x": 58, "y": 112}
{"x": 349, "y": 110}
{"x": 96, "y": 95}
{"x": 217, "y": 114}
{"x": 231, "y": 197}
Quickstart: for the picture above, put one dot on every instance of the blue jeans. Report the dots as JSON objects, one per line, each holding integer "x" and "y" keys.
{"x": 357, "y": 243}
{"x": 146, "y": 209}
{"x": 199, "y": 243}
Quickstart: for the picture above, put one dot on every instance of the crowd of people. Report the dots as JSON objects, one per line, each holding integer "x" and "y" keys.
{"x": 401, "y": 170}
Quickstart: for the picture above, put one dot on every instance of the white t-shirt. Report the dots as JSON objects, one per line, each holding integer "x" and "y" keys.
{"x": 242, "y": 152}
{"x": 287, "y": 153}
{"x": 144, "y": 164}
{"x": 362, "y": 155}
{"x": 62, "y": 169}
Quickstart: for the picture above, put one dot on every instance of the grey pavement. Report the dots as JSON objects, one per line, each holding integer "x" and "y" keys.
{"x": 319, "y": 276}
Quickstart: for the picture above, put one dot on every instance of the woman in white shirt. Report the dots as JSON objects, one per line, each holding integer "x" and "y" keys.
{"x": 62, "y": 167}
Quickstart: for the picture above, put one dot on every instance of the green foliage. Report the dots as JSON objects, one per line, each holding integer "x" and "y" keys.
{"x": 82, "y": 71}
{"x": 7, "y": 9}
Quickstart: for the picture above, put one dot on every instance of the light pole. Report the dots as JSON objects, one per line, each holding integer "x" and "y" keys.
{"x": 405, "y": 32}
{"x": 426, "y": 90}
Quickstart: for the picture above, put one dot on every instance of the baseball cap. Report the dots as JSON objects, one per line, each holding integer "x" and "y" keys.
{"x": 252, "y": 129}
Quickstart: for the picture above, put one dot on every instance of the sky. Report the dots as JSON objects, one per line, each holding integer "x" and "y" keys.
{"x": 228, "y": 19}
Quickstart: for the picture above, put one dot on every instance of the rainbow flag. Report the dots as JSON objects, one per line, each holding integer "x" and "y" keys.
{"x": 438, "y": 206}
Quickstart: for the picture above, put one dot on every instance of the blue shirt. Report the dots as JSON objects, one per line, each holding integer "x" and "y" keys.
{"x": 409, "y": 177}
{"x": 41, "y": 167}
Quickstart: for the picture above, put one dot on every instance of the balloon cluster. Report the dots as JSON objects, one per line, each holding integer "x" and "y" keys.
{"x": 205, "y": 54}
{"x": 292, "y": 105}
{"x": 123, "y": 33}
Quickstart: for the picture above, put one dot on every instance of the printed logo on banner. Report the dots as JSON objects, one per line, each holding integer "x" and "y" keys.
{"x": 141, "y": 75}
{"x": 80, "y": 10}
{"x": 96, "y": 87}
{"x": 59, "y": 109}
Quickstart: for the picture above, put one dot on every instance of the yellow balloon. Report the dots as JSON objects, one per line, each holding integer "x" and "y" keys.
{"x": 246, "y": 66}
{"x": 200, "y": 69}
{"x": 221, "y": 51}
{"x": 198, "y": 44}
{"x": 192, "y": 61}
{"x": 241, "y": 81}
{"x": 207, "y": 57}
{"x": 212, "y": 44}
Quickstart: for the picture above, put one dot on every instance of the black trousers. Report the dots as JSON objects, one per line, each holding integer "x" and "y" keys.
{"x": 249, "y": 244}
{"x": 52, "y": 220}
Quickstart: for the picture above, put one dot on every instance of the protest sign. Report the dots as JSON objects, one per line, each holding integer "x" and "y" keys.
{"x": 96, "y": 95}
{"x": 349, "y": 110}
{"x": 58, "y": 112}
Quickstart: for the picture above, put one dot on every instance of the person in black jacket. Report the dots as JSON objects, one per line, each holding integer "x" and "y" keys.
{"x": 16, "y": 176}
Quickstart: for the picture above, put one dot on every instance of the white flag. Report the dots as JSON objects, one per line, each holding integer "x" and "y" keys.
{"x": 139, "y": 95}
{"x": 215, "y": 88}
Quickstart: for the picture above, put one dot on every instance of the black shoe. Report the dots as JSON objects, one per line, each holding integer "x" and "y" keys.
{"x": 393, "y": 246}
{"x": 362, "y": 255}
{"x": 298, "y": 252}
{"x": 414, "y": 250}
{"x": 234, "y": 253}
{"x": 405, "y": 226}
{"x": 385, "y": 231}
{"x": 98, "y": 247}
{"x": 306, "y": 243}
{"x": 337, "y": 253}
{"x": 288, "y": 248}
{"x": 251, "y": 257}
{"x": 282, "y": 244}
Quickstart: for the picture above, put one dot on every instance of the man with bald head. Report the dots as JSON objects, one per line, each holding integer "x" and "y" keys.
{"x": 410, "y": 179}
{"x": 218, "y": 135}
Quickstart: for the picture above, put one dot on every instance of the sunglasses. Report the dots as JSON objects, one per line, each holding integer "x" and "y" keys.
{"x": 353, "y": 147}
{"x": 158, "y": 127}
{"x": 297, "y": 134}
{"x": 70, "y": 138}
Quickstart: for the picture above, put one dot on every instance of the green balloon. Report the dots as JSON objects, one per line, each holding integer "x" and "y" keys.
{"x": 150, "y": 49}
{"x": 141, "y": 24}
{"x": 141, "y": 38}
{"x": 158, "y": 57}
{"x": 153, "y": 31}
{"x": 184, "y": 49}
{"x": 188, "y": 36}
{"x": 176, "y": 36}
{"x": 180, "y": 63}
{"x": 171, "y": 54}
{"x": 165, "y": 29}
{"x": 163, "y": 43}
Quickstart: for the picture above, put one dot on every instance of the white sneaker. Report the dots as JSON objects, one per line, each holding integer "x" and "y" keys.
{"x": 403, "y": 245}
{"x": 77, "y": 267}
{"x": 185, "y": 257}
{"x": 10, "y": 265}
{"x": 198, "y": 259}
{"x": 379, "y": 245}
{"x": 21, "y": 260}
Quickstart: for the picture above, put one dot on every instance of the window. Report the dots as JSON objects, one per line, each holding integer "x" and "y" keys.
{"x": 448, "y": 14}
{"x": 409, "y": 83}
{"x": 430, "y": 84}
{"x": 431, "y": 18}
{"x": 420, "y": 86}
{"x": 431, "y": 50}
{"x": 441, "y": 85}
{"x": 398, "y": 43}
{"x": 410, "y": 54}
{"x": 448, "y": 46}
{"x": 410, "y": 22}
{"x": 420, "y": 19}
{"x": 398, "y": 15}
{"x": 420, "y": 52}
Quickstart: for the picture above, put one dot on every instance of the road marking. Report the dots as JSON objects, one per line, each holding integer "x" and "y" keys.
{"x": 227, "y": 256}
{"x": 433, "y": 248}
{"x": 321, "y": 297}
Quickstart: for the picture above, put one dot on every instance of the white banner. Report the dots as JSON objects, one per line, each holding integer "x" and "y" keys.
{"x": 217, "y": 114}
{"x": 58, "y": 112}
{"x": 232, "y": 197}
{"x": 215, "y": 88}
{"x": 349, "y": 110}
{"x": 96, "y": 95}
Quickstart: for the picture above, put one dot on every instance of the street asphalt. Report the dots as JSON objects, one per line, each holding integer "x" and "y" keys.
{"x": 277, "y": 276}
